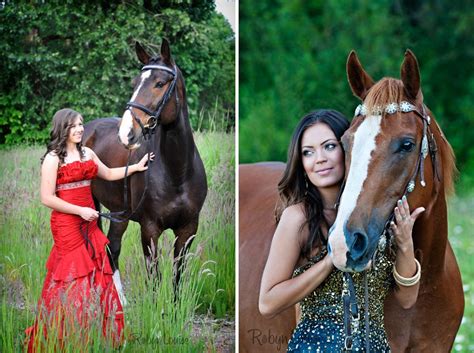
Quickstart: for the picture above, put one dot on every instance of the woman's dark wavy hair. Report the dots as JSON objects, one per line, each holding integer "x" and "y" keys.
{"x": 62, "y": 124}
{"x": 292, "y": 186}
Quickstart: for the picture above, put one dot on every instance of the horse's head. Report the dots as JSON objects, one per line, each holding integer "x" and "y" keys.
{"x": 386, "y": 146}
{"x": 155, "y": 99}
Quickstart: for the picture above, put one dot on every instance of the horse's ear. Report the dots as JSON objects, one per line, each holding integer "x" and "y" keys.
{"x": 359, "y": 80}
{"x": 166, "y": 52}
{"x": 410, "y": 74}
{"x": 142, "y": 55}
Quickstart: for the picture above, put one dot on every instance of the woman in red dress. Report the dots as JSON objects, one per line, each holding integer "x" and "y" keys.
{"x": 78, "y": 290}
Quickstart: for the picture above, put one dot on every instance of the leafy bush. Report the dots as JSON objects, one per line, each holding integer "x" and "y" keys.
{"x": 82, "y": 56}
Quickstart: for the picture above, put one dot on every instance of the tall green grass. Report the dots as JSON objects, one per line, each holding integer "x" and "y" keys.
{"x": 155, "y": 320}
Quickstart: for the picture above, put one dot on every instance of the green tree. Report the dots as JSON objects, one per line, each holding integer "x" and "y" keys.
{"x": 82, "y": 55}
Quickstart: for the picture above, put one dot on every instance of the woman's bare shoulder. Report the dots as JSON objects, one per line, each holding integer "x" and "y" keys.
{"x": 51, "y": 157}
{"x": 294, "y": 215}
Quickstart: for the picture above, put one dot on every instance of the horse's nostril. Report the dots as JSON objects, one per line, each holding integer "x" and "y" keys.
{"x": 359, "y": 246}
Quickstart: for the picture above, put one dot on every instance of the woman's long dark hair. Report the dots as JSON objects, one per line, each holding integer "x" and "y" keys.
{"x": 292, "y": 186}
{"x": 62, "y": 124}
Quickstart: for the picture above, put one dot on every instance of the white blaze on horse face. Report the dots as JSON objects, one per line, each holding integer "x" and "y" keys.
{"x": 362, "y": 148}
{"x": 127, "y": 118}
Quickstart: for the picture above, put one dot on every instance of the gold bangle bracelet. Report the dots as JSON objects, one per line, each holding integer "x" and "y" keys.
{"x": 407, "y": 282}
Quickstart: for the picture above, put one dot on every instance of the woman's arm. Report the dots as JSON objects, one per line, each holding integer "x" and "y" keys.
{"x": 405, "y": 264}
{"x": 111, "y": 174}
{"x": 278, "y": 291}
{"x": 49, "y": 171}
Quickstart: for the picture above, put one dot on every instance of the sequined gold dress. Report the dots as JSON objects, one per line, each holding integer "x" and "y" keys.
{"x": 321, "y": 328}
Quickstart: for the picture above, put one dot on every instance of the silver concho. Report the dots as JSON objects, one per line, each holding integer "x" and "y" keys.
{"x": 424, "y": 146}
{"x": 358, "y": 109}
{"x": 392, "y": 108}
{"x": 406, "y": 107}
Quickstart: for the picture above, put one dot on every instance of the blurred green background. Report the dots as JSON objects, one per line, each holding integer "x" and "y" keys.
{"x": 293, "y": 54}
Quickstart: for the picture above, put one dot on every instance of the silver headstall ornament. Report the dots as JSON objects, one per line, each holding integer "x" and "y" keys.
{"x": 391, "y": 108}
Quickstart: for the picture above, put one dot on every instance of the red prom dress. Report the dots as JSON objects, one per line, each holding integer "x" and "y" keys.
{"x": 78, "y": 290}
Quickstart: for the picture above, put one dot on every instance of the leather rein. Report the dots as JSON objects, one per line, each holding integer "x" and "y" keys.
{"x": 428, "y": 145}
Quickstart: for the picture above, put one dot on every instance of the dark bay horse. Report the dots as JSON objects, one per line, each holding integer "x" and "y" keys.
{"x": 176, "y": 186}
{"x": 394, "y": 147}
{"x": 429, "y": 326}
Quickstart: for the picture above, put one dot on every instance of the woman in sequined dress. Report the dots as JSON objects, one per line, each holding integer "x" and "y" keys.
{"x": 78, "y": 290}
{"x": 298, "y": 269}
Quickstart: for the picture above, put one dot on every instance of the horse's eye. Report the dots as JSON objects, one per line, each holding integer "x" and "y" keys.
{"x": 159, "y": 84}
{"x": 407, "y": 146}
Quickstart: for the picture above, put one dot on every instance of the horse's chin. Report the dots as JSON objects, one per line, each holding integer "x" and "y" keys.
{"x": 132, "y": 147}
{"x": 353, "y": 269}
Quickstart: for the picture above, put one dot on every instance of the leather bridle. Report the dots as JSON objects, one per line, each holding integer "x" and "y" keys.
{"x": 155, "y": 116}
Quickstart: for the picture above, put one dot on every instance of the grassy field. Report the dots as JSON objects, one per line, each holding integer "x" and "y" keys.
{"x": 200, "y": 320}
{"x": 461, "y": 232}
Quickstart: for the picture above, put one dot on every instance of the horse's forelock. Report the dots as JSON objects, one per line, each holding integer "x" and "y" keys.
{"x": 155, "y": 60}
{"x": 387, "y": 90}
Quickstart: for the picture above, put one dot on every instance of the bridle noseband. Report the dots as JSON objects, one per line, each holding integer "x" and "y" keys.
{"x": 155, "y": 116}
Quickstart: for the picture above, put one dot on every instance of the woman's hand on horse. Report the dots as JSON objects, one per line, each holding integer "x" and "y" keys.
{"x": 403, "y": 227}
{"x": 88, "y": 214}
{"x": 142, "y": 165}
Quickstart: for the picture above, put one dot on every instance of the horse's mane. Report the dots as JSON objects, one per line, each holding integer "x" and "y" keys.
{"x": 390, "y": 90}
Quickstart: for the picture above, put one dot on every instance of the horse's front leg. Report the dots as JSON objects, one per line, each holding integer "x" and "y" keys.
{"x": 115, "y": 234}
{"x": 150, "y": 233}
{"x": 184, "y": 239}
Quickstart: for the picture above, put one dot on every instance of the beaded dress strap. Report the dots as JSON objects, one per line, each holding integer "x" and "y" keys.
{"x": 311, "y": 261}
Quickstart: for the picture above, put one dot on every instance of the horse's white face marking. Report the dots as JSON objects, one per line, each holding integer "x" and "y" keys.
{"x": 127, "y": 119}
{"x": 362, "y": 148}
{"x": 118, "y": 286}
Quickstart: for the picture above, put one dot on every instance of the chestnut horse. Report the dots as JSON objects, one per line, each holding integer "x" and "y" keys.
{"x": 258, "y": 196}
{"x": 396, "y": 160}
{"x": 173, "y": 192}
{"x": 394, "y": 147}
